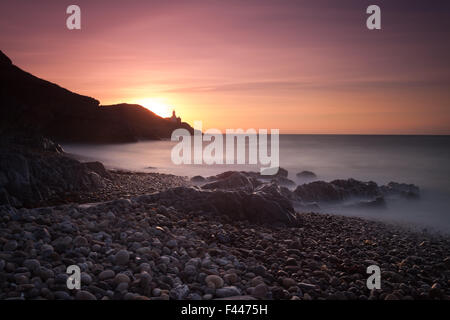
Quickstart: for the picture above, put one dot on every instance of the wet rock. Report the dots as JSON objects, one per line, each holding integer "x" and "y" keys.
{"x": 198, "y": 179}
{"x": 232, "y": 181}
{"x": 306, "y": 175}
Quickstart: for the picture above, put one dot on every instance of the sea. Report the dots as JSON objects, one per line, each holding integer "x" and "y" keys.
{"x": 420, "y": 160}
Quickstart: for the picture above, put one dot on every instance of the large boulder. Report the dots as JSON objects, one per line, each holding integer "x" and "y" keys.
{"x": 232, "y": 181}
{"x": 400, "y": 189}
{"x": 33, "y": 170}
{"x": 266, "y": 205}
{"x": 340, "y": 190}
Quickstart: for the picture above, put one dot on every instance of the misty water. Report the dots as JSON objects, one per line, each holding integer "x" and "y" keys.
{"x": 421, "y": 160}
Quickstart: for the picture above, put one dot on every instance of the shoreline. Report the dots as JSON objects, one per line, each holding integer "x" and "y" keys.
{"x": 153, "y": 236}
{"x": 134, "y": 247}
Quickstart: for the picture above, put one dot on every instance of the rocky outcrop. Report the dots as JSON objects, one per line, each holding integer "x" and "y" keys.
{"x": 266, "y": 204}
{"x": 340, "y": 190}
{"x": 64, "y": 116}
{"x": 233, "y": 180}
{"x": 34, "y": 169}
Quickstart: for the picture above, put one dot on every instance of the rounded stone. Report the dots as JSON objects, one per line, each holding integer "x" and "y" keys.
{"x": 121, "y": 278}
{"x": 84, "y": 295}
{"x": 214, "y": 282}
{"x": 32, "y": 264}
{"x": 122, "y": 257}
{"x": 10, "y": 245}
{"x": 289, "y": 282}
{"x": 106, "y": 274}
{"x": 80, "y": 241}
{"x": 260, "y": 291}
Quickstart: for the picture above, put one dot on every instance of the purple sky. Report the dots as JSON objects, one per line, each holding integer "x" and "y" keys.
{"x": 301, "y": 66}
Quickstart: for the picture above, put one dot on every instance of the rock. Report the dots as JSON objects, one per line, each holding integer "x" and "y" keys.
{"x": 32, "y": 265}
{"x": 231, "y": 278}
{"x": 190, "y": 270}
{"x": 122, "y": 257}
{"x": 306, "y": 286}
{"x": 84, "y": 295}
{"x": 306, "y": 175}
{"x": 401, "y": 189}
{"x": 106, "y": 274}
{"x": 307, "y": 297}
{"x": 80, "y": 241}
{"x": 260, "y": 270}
{"x": 378, "y": 202}
{"x": 179, "y": 292}
{"x": 10, "y": 245}
{"x": 232, "y": 181}
{"x": 120, "y": 278}
{"x": 260, "y": 291}
{"x": 86, "y": 279}
{"x": 284, "y": 182}
{"x": 288, "y": 282}
{"x": 47, "y": 250}
{"x": 336, "y": 190}
{"x": 122, "y": 287}
{"x": 291, "y": 262}
{"x": 391, "y": 296}
{"x": 198, "y": 179}
{"x": 238, "y": 298}
{"x": 266, "y": 204}
{"x": 172, "y": 243}
{"x": 46, "y": 273}
{"x": 228, "y": 292}
{"x": 214, "y": 282}
{"x": 98, "y": 168}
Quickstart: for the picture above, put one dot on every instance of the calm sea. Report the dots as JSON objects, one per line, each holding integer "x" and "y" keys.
{"x": 422, "y": 160}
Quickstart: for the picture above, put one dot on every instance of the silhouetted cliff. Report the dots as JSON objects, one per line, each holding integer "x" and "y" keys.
{"x": 28, "y": 103}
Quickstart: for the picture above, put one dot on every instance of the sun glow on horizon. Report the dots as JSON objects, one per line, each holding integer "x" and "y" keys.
{"x": 156, "y": 105}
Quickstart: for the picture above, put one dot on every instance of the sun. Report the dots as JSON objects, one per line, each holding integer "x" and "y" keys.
{"x": 157, "y": 105}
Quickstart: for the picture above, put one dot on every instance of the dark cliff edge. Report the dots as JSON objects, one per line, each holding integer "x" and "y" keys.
{"x": 35, "y": 105}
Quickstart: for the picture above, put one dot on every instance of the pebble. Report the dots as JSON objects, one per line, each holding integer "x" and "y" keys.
{"x": 84, "y": 295}
{"x": 288, "y": 282}
{"x": 214, "y": 282}
{"x": 121, "y": 278}
{"x": 260, "y": 291}
{"x": 106, "y": 274}
{"x": 10, "y": 245}
{"x": 122, "y": 257}
{"x": 228, "y": 292}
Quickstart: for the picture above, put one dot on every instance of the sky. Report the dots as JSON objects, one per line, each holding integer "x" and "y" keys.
{"x": 308, "y": 67}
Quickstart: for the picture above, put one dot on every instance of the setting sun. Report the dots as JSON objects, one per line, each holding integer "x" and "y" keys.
{"x": 156, "y": 105}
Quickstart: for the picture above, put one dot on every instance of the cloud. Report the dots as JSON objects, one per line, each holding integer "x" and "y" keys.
{"x": 262, "y": 86}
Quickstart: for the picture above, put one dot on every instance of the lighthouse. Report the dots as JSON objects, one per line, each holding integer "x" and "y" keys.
{"x": 174, "y": 118}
